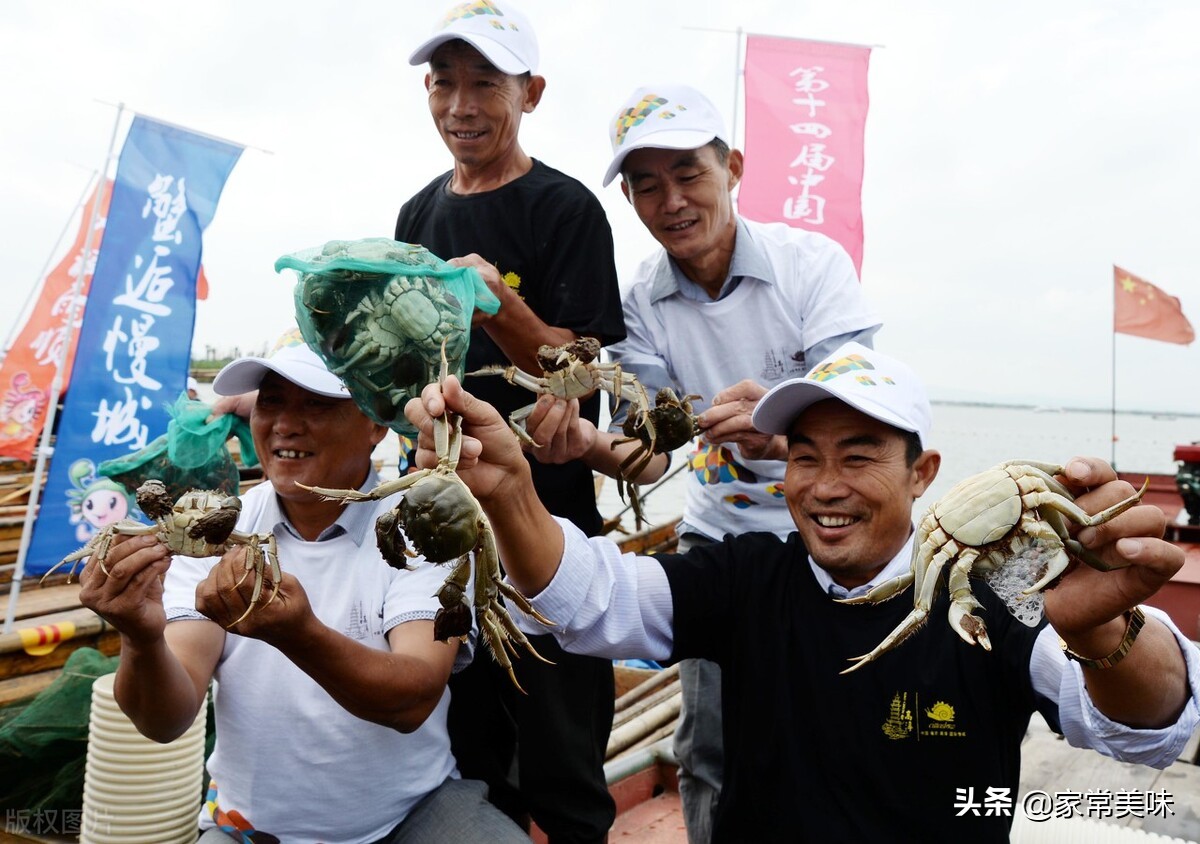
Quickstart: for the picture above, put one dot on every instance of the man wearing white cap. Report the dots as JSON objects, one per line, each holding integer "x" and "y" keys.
{"x": 923, "y": 744}
{"x": 542, "y": 243}
{"x": 331, "y": 711}
{"x": 726, "y": 309}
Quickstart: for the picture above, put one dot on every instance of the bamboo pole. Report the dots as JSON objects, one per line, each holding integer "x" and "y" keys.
{"x": 650, "y": 720}
{"x": 646, "y": 687}
{"x": 635, "y": 709}
{"x": 664, "y": 732}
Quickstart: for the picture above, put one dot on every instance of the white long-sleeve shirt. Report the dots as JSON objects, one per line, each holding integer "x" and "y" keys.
{"x": 620, "y": 606}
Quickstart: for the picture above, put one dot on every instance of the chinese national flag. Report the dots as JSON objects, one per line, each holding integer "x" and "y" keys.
{"x": 1141, "y": 309}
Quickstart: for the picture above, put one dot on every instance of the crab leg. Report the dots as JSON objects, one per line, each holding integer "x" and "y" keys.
{"x": 382, "y": 491}
{"x": 920, "y": 612}
{"x": 256, "y": 562}
{"x": 962, "y": 602}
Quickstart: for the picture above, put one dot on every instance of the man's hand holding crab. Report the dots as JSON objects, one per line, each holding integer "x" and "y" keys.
{"x": 226, "y": 593}
{"x": 1088, "y": 607}
{"x": 727, "y": 420}
{"x": 494, "y": 468}
{"x": 130, "y": 596}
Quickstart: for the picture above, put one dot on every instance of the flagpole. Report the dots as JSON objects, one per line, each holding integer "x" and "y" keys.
{"x": 44, "y": 449}
{"x": 37, "y": 286}
{"x": 737, "y": 87}
{"x": 1113, "y": 453}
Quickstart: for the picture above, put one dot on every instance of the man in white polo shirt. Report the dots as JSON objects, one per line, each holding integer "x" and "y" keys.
{"x": 726, "y": 309}
{"x": 331, "y": 708}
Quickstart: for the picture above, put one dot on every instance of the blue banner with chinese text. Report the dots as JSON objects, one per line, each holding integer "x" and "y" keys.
{"x": 135, "y": 342}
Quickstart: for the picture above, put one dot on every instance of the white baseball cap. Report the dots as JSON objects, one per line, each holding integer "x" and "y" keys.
{"x": 867, "y": 380}
{"x": 496, "y": 29}
{"x": 290, "y": 358}
{"x": 191, "y": 383}
{"x": 664, "y": 117}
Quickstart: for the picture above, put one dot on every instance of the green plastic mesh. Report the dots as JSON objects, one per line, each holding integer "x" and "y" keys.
{"x": 191, "y": 455}
{"x": 43, "y": 742}
{"x": 377, "y": 312}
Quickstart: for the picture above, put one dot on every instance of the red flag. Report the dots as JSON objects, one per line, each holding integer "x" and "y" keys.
{"x": 201, "y": 285}
{"x": 28, "y": 371}
{"x": 1141, "y": 309}
{"x": 806, "y": 113}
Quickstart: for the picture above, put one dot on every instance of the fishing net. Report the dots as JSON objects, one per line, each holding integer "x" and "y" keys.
{"x": 192, "y": 454}
{"x": 43, "y": 742}
{"x": 377, "y": 312}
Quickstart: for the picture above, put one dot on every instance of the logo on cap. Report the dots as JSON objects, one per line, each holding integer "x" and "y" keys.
{"x": 470, "y": 10}
{"x": 286, "y": 340}
{"x": 636, "y": 115}
{"x": 832, "y": 369}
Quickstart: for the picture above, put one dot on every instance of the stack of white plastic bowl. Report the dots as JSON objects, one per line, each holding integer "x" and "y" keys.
{"x": 137, "y": 791}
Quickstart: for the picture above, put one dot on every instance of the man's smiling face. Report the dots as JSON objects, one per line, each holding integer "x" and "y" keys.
{"x": 476, "y": 107}
{"x": 850, "y": 489}
{"x": 682, "y": 197}
{"x": 310, "y": 438}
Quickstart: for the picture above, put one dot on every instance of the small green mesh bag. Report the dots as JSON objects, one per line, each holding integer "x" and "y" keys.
{"x": 191, "y": 455}
{"x": 377, "y": 312}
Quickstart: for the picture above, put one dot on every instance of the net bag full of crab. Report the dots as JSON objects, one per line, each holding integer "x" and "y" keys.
{"x": 377, "y": 312}
{"x": 191, "y": 455}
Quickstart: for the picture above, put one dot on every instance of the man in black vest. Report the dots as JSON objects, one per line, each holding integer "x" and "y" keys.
{"x": 923, "y": 743}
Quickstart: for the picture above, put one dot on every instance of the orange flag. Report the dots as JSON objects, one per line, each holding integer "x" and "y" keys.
{"x": 1141, "y": 309}
{"x": 27, "y": 373}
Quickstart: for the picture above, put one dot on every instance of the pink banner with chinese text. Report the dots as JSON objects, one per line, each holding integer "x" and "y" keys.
{"x": 806, "y": 112}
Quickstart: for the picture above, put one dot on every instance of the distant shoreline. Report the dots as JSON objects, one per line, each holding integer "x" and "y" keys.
{"x": 1046, "y": 409}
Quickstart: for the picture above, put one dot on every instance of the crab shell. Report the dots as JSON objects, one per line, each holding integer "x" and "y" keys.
{"x": 981, "y": 509}
{"x": 440, "y": 518}
{"x": 672, "y": 423}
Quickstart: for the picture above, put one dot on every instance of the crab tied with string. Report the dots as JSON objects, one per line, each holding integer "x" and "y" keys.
{"x": 446, "y": 525}
{"x": 199, "y": 523}
{"x": 1007, "y": 524}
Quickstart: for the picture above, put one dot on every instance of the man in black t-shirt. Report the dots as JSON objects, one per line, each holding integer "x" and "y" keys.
{"x": 542, "y": 243}
{"x": 923, "y": 743}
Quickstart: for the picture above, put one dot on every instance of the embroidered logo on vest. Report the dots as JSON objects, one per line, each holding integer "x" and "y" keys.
{"x": 899, "y": 723}
{"x": 937, "y": 721}
{"x": 940, "y": 711}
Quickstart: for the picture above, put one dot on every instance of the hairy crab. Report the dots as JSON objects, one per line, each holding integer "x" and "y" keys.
{"x": 447, "y": 525}
{"x": 570, "y": 371}
{"x": 412, "y": 311}
{"x": 669, "y": 425}
{"x": 200, "y": 523}
{"x": 980, "y": 527}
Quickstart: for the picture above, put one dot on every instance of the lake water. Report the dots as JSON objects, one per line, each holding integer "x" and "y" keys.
{"x": 971, "y": 438}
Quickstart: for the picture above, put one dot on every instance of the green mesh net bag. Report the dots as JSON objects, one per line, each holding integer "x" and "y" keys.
{"x": 377, "y": 312}
{"x": 43, "y": 742}
{"x": 192, "y": 454}
{"x": 43, "y": 745}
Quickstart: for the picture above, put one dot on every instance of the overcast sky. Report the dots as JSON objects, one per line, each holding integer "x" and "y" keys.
{"x": 1014, "y": 152}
